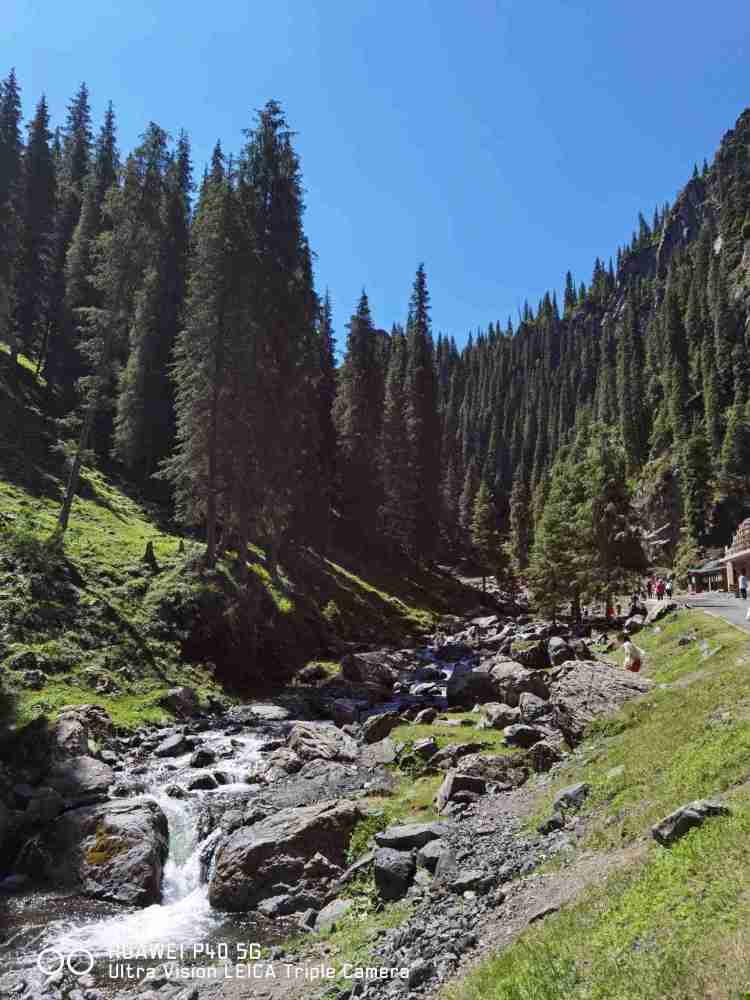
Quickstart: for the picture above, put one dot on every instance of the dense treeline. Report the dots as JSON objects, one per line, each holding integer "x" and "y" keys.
{"x": 180, "y": 331}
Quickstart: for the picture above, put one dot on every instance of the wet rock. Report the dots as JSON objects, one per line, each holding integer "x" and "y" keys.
{"x": 521, "y": 735}
{"x": 411, "y": 835}
{"x": 202, "y": 757}
{"x": 181, "y": 701}
{"x": 495, "y": 715}
{"x": 203, "y": 782}
{"x": 584, "y": 690}
{"x": 311, "y": 741}
{"x": 252, "y": 859}
{"x": 113, "y": 851}
{"x": 81, "y": 780}
{"x": 573, "y": 797}
{"x": 173, "y": 746}
{"x": 451, "y": 652}
{"x": 377, "y": 727}
{"x": 677, "y": 824}
{"x": 394, "y": 872}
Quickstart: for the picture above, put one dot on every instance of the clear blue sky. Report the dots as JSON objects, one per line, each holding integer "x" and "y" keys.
{"x": 501, "y": 143}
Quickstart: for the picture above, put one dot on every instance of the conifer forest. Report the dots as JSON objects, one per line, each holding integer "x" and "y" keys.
{"x": 176, "y": 323}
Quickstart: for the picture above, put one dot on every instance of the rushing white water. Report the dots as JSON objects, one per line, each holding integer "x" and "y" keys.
{"x": 184, "y": 915}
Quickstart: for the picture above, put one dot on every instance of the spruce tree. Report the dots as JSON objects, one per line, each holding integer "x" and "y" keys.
{"x": 11, "y": 151}
{"x": 422, "y": 424}
{"x": 357, "y": 412}
{"x": 520, "y": 523}
{"x": 395, "y": 453}
{"x": 34, "y": 268}
{"x": 485, "y": 538}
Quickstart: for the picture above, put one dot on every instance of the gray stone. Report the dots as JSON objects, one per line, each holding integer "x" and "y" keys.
{"x": 311, "y": 741}
{"x": 661, "y": 610}
{"x": 521, "y": 735}
{"x": 394, "y": 871}
{"x": 532, "y": 708}
{"x": 429, "y": 855}
{"x": 455, "y": 783}
{"x": 173, "y": 746}
{"x": 558, "y": 651}
{"x": 584, "y": 690}
{"x": 411, "y": 835}
{"x": 333, "y": 913}
{"x": 495, "y": 715}
{"x": 572, "y": 797}
{"x": 45, "y": 805}
{"x": 181, "y": 701}
{"x": 425, "y": 717}
{"x": 255, "y": 858}
{"x": 204, "y": 782}
{"x": 678, "y": 823}
{"x": 113, "y": 851}
{"x": 369, "y": 668}
{"x": 81, "y": 780}
{"x": 377, "y": 727}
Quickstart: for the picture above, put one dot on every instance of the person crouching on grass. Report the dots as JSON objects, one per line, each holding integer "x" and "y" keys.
{"x": 634, "y": 656}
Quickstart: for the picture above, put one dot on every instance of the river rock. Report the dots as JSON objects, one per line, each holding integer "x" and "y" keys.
{"x": 181, "y": 701}
{"x": 406, "y": 836}
{"x": 343, "y": 711}
{"x": 372, "y": 668}
{"x": 81, "y": 780}
{"x": 544, "y": 755}
{"x": 333, "y": 913}
{"x": 173, "y": 746}
{"x": 584, "y": 690}
{"x": 254, "y": 859}
{"x": 677, "y": 824}
{"x": 377, "y": 727}
{"x": 429, "y": 855}
{"x": 75, "y": 725}
{"x": 45, "y": 805}
{"x": 394, "y": 871}
{"x": 202, "y": 757}
{"x": 311, "y": 741}
{"x": 113, "y": 851}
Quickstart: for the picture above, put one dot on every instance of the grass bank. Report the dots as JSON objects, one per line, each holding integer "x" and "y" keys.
{"x": 675, "y": 924}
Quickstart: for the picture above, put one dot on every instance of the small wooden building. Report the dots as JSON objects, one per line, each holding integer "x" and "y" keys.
{"x": 711, "y": 576}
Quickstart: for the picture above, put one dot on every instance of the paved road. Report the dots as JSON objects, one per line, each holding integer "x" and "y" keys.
{"x": 724, "y": 605}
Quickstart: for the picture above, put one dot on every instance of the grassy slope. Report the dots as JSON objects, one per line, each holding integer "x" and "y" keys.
{"x": 115, "y": 627}
{"x": 676, "y": 924}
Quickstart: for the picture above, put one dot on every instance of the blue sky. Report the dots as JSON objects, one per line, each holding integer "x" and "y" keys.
{"x": 499, "y": 142}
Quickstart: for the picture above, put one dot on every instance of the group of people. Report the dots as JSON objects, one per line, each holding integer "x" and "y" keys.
{"x": 659, "y": 587}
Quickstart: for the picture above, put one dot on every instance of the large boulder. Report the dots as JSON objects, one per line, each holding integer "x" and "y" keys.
{"x": 80, "y": 780}
{"x": 370, "y": 668}
{"x": 394, "y": 871}
{"x": 584, "y": 690}
{"x": 532, "y": 708}
{"x": 377, "y": 727}
{"x": 76, "y": 725}
{"x": 496, "y": 679}
{"x": 677, "y": 824}
{"x": 558, "y": 651}
{"x": 661, "y": 610}
{"x": 252, "y": 860}
{"x": 315, "y": 741}
{"x": 173, "y": 746}
{"x": 521, "y": 735}
{"x": 181, "y": 701}
{"x": 113, "y": 851}
{"x": 502, "y": 770}
{"x": 495, "y": 715}
{"x": 411, "y": 835}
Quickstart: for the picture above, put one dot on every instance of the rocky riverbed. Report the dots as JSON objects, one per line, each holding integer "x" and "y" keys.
{"x": 235, "y": 827}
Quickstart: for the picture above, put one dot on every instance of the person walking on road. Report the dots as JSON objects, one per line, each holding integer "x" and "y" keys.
{"x": 742, "y": 584}
{"x": 668, "y": 587}
{"x": 660, "y": 589}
